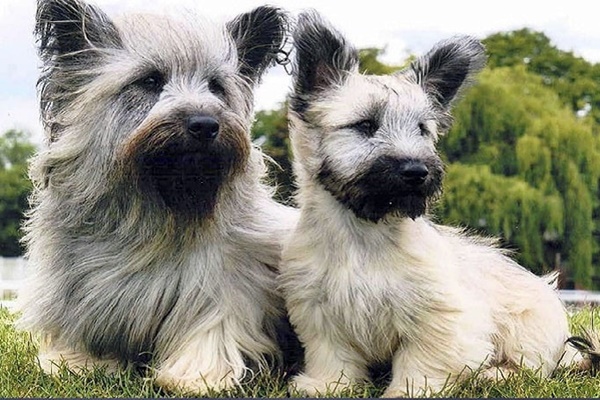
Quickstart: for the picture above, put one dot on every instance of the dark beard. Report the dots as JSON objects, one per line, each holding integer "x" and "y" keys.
{"x": 189, "y": 183}
{"x": 381, "y": 190}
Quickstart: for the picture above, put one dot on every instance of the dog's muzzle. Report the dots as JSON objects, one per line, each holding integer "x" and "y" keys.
{"x": 189, "y": 167}
{"x": 389, "y": 185}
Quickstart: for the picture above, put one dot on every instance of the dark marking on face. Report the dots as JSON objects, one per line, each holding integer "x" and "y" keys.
{"x": 388, "y": 186}
{"x": 189, "y": 182}
{"x": 183, "y": 170}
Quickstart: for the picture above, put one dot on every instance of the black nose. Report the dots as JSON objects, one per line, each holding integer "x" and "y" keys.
{"x": 203, "y": 127}
{"x": 413, "y": 173}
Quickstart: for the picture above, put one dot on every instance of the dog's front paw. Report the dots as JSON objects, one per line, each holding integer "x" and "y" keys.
{"x": 395, "y": 393}
{"x": 306, "y": 386}
{"x": 416, "y": 388}
{"x": 194, "y": 384}
{"x": 497, "y": 374}
{"x": 312, "y": 387}
{"x": 51, "y": 358}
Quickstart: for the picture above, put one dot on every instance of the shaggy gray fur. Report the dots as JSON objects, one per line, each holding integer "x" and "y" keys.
{"x": 148, "y": 243}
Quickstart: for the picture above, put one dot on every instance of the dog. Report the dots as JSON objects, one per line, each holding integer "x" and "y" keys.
{"x": 367, "y": 276}
{"x": 152, "y": 237}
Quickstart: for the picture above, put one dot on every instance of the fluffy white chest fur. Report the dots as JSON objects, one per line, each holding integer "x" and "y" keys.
{"x": 365, "y": 288}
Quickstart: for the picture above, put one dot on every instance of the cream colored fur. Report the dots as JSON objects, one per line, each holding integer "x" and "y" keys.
{"x": 436, "y": 302}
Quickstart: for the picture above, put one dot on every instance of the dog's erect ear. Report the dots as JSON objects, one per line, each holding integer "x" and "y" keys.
{"x": 66, "y": 27}
{"x": 70, "y": 35}
{"x": 449, "y": 67}
{"x": 323, "y": 56}
{"x": 258, "y": 35}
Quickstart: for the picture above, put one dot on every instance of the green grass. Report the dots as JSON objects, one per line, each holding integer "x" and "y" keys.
{"x": 20, "y": 376}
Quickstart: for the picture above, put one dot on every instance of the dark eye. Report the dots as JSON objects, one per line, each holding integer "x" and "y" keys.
{"x": 367, "y": 127}
{"x": 152, "y": 82}
{"x": 423, "y": 129}
{"x": 215, "y": 87}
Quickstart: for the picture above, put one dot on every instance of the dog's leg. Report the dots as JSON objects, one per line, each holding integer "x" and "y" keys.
{"x": 330, "y": 368}
{"x": 445, "y": 351}
{"x": 208, "y": 361}
{"x": 498, "y": 373}
{"x": 52, "y": 355}
{"x": 415, "y": 373}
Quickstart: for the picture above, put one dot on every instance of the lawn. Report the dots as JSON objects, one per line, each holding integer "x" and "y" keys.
{"x": 20, "y": 376}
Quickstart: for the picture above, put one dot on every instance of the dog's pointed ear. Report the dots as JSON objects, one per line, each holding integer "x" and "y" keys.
{"x": 68, "y": 33}
{"x": 448, "y": 68}
{"x": 323, "y": 55}
{"x": 258, "y": 35}
{"x": 66, "y": 27}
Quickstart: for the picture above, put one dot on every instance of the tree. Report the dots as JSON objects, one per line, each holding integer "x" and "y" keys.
{"x": 271, "y": 132}
{"x": 506, "y": 207}
{"x": 575, "y": 80}
{"x": 518, "y": 127}
{"x": 15, "y": 150}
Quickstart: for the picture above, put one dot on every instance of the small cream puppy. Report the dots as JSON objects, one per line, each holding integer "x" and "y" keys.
{"x": 367, "y": 277}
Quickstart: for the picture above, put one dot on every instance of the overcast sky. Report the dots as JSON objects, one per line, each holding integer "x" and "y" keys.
{"x": 403, "y": 27}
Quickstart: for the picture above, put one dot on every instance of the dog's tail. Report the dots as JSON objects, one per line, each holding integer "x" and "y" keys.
{"x": 552, "y": 279}
{"x": 588, "y": 345}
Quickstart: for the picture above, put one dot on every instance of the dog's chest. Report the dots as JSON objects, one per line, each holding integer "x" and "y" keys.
{"x": 367, "y": 290}
{"x": 371, "y": 305}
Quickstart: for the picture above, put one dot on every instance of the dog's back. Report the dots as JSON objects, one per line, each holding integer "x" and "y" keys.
{"x": 531, "y": 326}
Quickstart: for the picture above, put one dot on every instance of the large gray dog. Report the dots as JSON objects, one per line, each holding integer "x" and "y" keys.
{"x": 151, "y": 237}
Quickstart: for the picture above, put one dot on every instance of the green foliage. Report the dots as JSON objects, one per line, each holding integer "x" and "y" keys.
{"x": 502, "y": 206}
{"x": 520, "y": 128}
{"x": 15, "y": 150}
{"x": 271, "y": 131}
{"x": 369, "y": 62}
{"x": 575, "y": 80}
